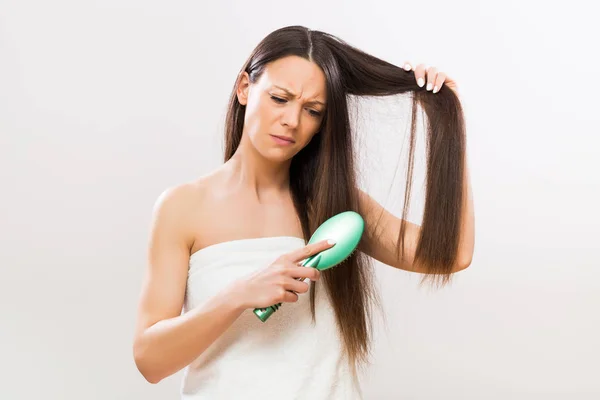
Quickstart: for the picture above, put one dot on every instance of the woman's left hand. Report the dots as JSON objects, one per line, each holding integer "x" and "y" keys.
{"x": 435, "y": 79}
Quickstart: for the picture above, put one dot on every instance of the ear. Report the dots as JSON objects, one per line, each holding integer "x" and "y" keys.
{"x": 242, "y": 88}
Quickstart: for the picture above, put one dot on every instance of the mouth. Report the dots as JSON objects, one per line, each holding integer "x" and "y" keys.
{"x": 285, "y": 139}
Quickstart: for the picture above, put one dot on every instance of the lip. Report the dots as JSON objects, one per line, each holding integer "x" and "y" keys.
{"x": 283, "y": 140}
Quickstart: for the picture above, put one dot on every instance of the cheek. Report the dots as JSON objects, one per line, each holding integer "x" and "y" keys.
{"x": 251, "y": 121}
{"x": 253, "y": 118}
{"x": 309, "y": 137}
{"x": 260, "y": 118}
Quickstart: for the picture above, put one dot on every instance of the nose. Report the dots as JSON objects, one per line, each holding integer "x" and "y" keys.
{"x": 291, "y": 117}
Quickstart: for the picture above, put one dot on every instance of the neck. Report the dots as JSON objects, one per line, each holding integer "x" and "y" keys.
{"x": 250, "y": 172}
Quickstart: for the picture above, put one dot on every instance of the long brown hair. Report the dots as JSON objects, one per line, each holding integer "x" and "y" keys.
{"x": 323, "y": 179}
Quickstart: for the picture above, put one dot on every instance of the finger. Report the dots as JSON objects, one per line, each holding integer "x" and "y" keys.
{"x": 290, "y": 297}
{"x": 301, "y": 273}
{"x": 420, "y": 74}
{"x": 431, "y": 75}
{"x": 307, "y": 251}
{"x": 295, "y": 286}
{"x": 317, "y": 277}
{"x": 439, "y": 81}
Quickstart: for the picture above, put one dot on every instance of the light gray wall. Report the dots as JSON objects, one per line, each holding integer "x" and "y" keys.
{"x": 104, "y": 104}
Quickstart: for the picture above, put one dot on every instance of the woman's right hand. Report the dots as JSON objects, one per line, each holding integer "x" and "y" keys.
{"x": 278, "y": 282}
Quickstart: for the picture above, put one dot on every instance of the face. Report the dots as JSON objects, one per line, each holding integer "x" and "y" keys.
{"x": 288, "y": 100}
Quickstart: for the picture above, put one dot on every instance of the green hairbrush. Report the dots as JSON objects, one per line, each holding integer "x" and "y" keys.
{"x": 346, "y": 229}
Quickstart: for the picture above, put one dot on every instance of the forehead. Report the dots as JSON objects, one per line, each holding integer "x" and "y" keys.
{"x": 296, "y": 74}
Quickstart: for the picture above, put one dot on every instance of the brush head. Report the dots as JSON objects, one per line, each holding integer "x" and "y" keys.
{"x": 346, "y": 229}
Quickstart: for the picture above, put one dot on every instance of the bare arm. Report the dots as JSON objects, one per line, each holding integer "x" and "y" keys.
{"x": 166, "y": 341}
{"x": 382, "y": 229}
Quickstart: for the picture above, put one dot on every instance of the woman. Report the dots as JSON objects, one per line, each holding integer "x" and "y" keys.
{"x": 232, "y": 240}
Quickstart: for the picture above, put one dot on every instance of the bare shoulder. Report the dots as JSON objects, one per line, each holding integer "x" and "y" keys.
{"x": 186, "y": 196}
{"x": 180, "y": 206}
{"x": 176, "y": 198}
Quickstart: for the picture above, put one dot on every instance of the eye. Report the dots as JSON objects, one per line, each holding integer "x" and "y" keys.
{"x": 278, "y": 100}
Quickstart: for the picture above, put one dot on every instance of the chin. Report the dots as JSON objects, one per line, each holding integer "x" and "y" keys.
{"x": 277, "y": 154}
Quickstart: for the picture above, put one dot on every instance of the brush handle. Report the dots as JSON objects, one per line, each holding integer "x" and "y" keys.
{"x": 264, "y": 313}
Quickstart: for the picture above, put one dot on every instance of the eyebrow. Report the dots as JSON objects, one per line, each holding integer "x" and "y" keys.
{"x": 293, "y": 95}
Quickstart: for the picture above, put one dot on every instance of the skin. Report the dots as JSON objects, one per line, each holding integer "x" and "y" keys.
{"x": 247, "y": 197}
{"x": 259, "y": 164}
{"x": 435, "y": 79}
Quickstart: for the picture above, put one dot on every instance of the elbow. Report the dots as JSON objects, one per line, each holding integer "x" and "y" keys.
{"x": 144, "y": 365}
{"x": 462, "y": 264}
{"x": 150, "y": 378}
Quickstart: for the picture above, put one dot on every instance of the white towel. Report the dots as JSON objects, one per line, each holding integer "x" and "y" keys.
{"x": 286, "y": 357}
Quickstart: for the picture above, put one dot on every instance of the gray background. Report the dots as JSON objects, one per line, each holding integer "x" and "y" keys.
{"x": 104, "y": 104}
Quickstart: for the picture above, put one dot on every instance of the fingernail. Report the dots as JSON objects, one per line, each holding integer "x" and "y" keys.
{"x": 420, "y": 82}
{"x": 331, "y": 241}
{"x": 407, "y": 67}
{"x": 435, "y": 89}
{"x": 429, "y": 86}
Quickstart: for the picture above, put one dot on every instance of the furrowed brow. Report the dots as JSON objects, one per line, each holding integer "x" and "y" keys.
{"x": 293, "y": 95}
